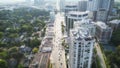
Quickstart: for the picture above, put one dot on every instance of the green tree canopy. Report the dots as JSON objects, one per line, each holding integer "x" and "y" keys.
{"x": 114, "y": 57}
{"x": 35, "y": 50}
{"x": 35, "y": 42}
{"x": 3, "y": 64}
{"x": 1, "y": 34}
{"x": 20, "y": 66}
{"x": 116, "y": 37}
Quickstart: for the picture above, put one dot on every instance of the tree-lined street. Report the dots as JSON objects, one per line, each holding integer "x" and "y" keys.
{"x": 58, "y": 54}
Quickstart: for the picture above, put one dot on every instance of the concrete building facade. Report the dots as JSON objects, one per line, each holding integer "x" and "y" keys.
{"x": 114, "y": 24}
{"x": 97, "y": 6}
{"x": 74, "y": 16}
{"x": 103, "y": 32}
{"x": 81, "y": 48}
{"x": 101, "y": 15}
{"x": 70, "y": 7}
{"x": 82, "y": 5}
{"x": 60, "y": 6}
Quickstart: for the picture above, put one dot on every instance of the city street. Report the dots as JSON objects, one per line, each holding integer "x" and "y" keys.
{"x": 58, "y": 53}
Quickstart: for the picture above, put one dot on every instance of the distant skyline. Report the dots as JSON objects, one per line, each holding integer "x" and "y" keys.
{"x": 14, "y": 1}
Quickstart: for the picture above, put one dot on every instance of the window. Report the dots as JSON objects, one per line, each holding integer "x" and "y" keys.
{"x": 79, "y": 16}
{"x": 79, "y": 42}
{"x": 74, "y": 55}
{"x": 85, "y": 15}
{"x": 89, "y": 43}
{"x": 79, "y": 45}
{"x": 74, "y": 43}
{"x": 73, "y": 15}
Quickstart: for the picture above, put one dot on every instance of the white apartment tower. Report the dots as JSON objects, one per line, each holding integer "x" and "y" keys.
{"x": 75, "y": 16}
{"x": 81, "y": 48}
{"x": 70, "y": 7}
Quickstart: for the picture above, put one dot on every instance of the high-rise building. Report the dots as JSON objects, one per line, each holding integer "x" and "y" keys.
{"x": 103, "y": 32}
{"x": 96, "y": 5}
{"x": 70, "y": 7}
{"x": 81, "y": 48}
{"x": 92, "y": 5}
{"x": 82, "y": 5}
{"x": 60, "y": 5}
{"x": 111, "y": 6}
{"x": 74, "y": 16}
{"x": 105, "y": 4}
{"x": 101, "y": 15}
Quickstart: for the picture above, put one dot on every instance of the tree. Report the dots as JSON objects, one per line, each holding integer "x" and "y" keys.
{"x": 13, "y": 49}
{"x": 114, "y": 57}
{"x": 14, "y": 53}
{"x": 35, "y": 50}
{"x": 118, "y": 50}
{"x": 3, "y": 54}
{"x": 20, "y": 66}
{"x": 3, "y": 44}
{"x": 3, "y": 64}
{"x": 43, "y": 32}
{"x": 26, "y": 28}
{"x": 35, "y": 42}
{"x": 116, "y": 37}
{"x": 1, "y": 34}
{"x": 63, "y": 27}
{"x": 13, "y": 35}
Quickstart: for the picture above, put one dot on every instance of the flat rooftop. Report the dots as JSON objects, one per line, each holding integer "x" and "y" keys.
{"x": 101, "y": 24}
{"x": 71, "y": 4}
{"x": 84, "y": 21}
{"x": 78, "y": 12}
{"x": 115, "y": 21}
{"x": 80, "y": 33}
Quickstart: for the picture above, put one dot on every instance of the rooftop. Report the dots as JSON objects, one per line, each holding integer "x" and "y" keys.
{"x": 115, "y": 21}
{"x": 81, "y": 33}
{"x": 71, "y": 4}
{"x": 78, "y": 12}
{"x": 83, "y": 22}
{"x": 101, "y": 24}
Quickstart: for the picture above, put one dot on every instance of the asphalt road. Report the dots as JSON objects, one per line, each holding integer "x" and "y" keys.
{"x": 58, "y": 53}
